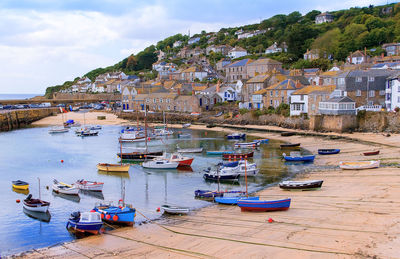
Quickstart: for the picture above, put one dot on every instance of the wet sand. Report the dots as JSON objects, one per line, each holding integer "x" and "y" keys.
{"x": 90, "y": 118}
{"x": 354, "y": 215}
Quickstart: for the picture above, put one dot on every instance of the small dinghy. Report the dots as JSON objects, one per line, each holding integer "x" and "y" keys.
{"x": 294, "y": 145}
{"x": 236, "y": 135}
{"x": 219, "y": 152}
{"x": 186, "y": 125}
{"x": 263, "y": 141}
{"x": 328, "y": 151}
{"x": 252, "y": 144}
{"x": 175, "y": 209}
{"x": 20, "y": 185}
{"x": 63, "y": 188}
{"x": 233, "y": 200}
{"x": 222, "y": 173}
{"x": 301, "y": 185}
{"x": 160, "y": 163}
{"x": 35, "y": 204}
{"x": 371, "y": 153}
{"x": 89, "y": 185}
{"x": 89, "y": 222}
{"x": 56, "y": 130}
{"x": 257, "y": 205}
{"x": 237, "y": 156}
{"x": 359, "y": 165}
{"x": 190, "y": 150}
{"x": 206, "y": 194}
{"x": 97, "y": 127}
{"x": 288, "y": 134}
{"x": 298, "y": 158}
{"x": 113, "y": 167}
{"x": 87, "y": 133}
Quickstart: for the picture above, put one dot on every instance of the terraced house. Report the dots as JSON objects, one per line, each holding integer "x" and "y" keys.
{"x": 237, "y": 70}
{"x": 281, "y": 92}
{"x": 262, "y": 66}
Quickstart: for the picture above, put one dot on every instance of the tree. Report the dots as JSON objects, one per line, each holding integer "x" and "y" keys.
{"x": 131, "y": 63}
{"x": 311, "y": 15}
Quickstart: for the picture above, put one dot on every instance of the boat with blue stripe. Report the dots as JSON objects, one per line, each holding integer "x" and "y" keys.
{"x": 236, "y": 135}
{"x": 233, "y": 200}
{"x": 89, "y": 222}
{"x": 257, "y": 205}
{"x": 299, "y": 158}
{"x": 328, "y": 151}
{"x": 124, "y": 215}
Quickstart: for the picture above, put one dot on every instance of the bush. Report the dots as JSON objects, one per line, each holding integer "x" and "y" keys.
{"x": 243, "y": 111}
{"x": 283, "y": 109}
{"x": 256, "y": 113}
{"x": 397, "y": 109}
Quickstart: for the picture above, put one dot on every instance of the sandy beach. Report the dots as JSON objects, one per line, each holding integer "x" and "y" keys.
{"x": 354, "y": 215}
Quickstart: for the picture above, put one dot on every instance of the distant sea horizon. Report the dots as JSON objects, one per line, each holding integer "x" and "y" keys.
{"x": 17, "y": 96}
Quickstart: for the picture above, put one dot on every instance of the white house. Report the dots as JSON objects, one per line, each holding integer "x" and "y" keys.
{"x": 237, "y": 52}
{"x": 324, "y": 17}
{"x": 227, "y": 94}
{"x": 392, "y": 95}
{"x": 274, "y": 48}
{"x": 299, "y": 100}
{"x": 177, "y": 43}
{"x": 193, "y": 40}
{"x": 357, "y": 57}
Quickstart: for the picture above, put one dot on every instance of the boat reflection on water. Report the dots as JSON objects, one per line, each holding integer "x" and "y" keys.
{"x": 41, "y": 216}
{"x": 26, "y": 192}
{"x": 116, "y": 174}
{"x": 185, "y": 169}
{"x": 98, "y": 195}
{"x": 73, "y": 198}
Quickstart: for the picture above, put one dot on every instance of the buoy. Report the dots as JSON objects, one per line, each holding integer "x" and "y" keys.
{"x": 47, "y": 187}
{"x": 93, "y": 211}
{"x": 115, "y": 218}
{"x": 102, "y": 216}
{"x": 148, "y": 138}
{"x": 158, "y": 209}
{"x": 108, "y": 216}
{"x": 18, "y": 201}
{"x": 62, "y": 161}
{"x": 270, "y": 220}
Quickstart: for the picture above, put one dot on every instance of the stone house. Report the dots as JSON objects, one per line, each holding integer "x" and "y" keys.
{"x": 311, "y": 54}
{"x": 262, "y": 66}
{"x": 127, "y": 96}
{"x": 392, "y": 49}
{"x": 281, "y": 92}
{"x": 300, "y": 99}
{"x": 237, "y": 52}
{"x": 323, "y": 18}
{"x": 220, "y": 65}
{"x": 252, "y": 85}
{"x": 237, "y": 70}
{"x": 192, "y": 73}
{"x": 223, "y": 49}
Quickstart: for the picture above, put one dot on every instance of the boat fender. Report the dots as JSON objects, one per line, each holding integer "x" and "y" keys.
{"x": 270, "y": 220}
{"x": 92, "y": 211}
{"x": 115, "y": 218}
{"x": 62, "y": 161}
{"x": 18, "y": 201}
{"x": 108, "y": 216}
{"x": 158, "y": 209}
{"x": 102, "y": 216}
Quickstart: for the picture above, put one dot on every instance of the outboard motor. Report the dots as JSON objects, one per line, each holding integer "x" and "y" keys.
{"x": 29, "y": 197}
{"x": 75, "y": 215}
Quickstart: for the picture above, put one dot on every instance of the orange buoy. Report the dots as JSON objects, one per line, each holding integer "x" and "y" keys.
{"x": 108, "y": 216}
{"x": 158, "y": 209}
{"x": 270, "y": 220}
{"x": 62, "y": 161}
{"x": 102, "y": 216}
{"x": 18, "y": 200}
{"x": 115, "y": 218}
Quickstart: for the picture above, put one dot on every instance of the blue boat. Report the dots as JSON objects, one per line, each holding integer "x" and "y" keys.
{"x": 328, "y": 151}
{"x": 236, "y": 136}
{"x": 219, "y": 153}
{"x": 116, "y": 214}
{"x": 257, "y": 205}
{"x": 296, "y": 158}
{"x": 85, "y": 222}
{"x": 233, "y": 200}
{"x": 207, "y": 194}
{"x": 262, "y": 141}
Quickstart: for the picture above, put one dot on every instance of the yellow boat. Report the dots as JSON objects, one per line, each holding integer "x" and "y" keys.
{"x": 359, "y": 165}
{"x": 113, "y": 167}
{"x": 20, "y": 185}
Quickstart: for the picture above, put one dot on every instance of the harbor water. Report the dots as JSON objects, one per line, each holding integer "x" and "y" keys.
{"x": 32, "y": 153}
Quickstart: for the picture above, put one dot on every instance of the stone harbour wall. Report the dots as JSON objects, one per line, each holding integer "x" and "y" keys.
{"x": 16, "y": 119}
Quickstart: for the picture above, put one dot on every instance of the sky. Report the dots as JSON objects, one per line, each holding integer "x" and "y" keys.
{"x": 47, "y": 42}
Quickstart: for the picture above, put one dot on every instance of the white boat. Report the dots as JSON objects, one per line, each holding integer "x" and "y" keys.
{"x": 160, "y": 163}
{"x": 97, "y": 127}
{"x": 222, "y": 173}
{"x": 248, "y": 168}
{"x": 89, "y": 185}
{"x": 186, "y": 125}
{"x": 359, "y": 165}
{"x": 35, "y": 204}
{"x": 182, "y": 160}
{"x": 163, "y": 132}
{"x": 174, "y": 209}
{"x": 185, "y": 135}
{"x": 248, "y": 144}
{"x": 63, "y": 188}
{"x": 131, "y": 136}
{"x": 60, "y": 129}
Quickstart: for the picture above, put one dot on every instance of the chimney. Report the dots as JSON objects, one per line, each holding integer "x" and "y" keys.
{"x": 170, "y": 77}
{"x": 217, "y": 88}
{"x": 179, "y": 91}
{"x": 365, "y": 54}
{"x": 193, "y": 94}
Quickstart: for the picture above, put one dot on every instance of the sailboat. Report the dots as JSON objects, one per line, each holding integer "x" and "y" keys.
{"x": 86, "y": 131}
{"x": 124, "y": 168}
{"x": 36, "y": 205}
{"x": 59, "y": 129}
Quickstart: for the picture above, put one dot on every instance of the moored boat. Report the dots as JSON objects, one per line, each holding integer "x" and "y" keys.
{"x": 359, "y": 165}
{"x": 288, "y": 134}
{"x": 252, "y": 144}
{"x": 371, "y": 153}
{"x": 290, "y": 145}
{"x": 328, "y": 151}
{"x": 160, "y": 163}
{"x": 262, "y": 141}
{"x": 233, "y": 200}
{"x": 89, "y": 222}
{"x": 64, "y": 188}
{"x": 185, "y": 135}
{"x": 219, "y": 152}
{"x": 182, "y": 160}
{"x": 175, "y": 209}
{"x": 122, "y": 214}
{"x": 300, "y": 158}
{"x": 35, "y": 204}
{"x": 20, "y": 185}
{"x": 259, "y": 205}
{"x": 190, "y": 150}
{"x": 236, "y": 135}
{"x": 222, "y": 173}
{"x": 89, "y": 185}
{"x": 55, "y": 130}
{"x": 113, "y": 167}
{"x": 186, "y": 125}
{"x": 237, "y": 156}
{"x": 139, "y": 156}
{"x": 207, "y": 194}
{"x": 301, "y": 185}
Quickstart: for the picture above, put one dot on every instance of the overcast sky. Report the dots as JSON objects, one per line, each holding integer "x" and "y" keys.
{"x": 46, "y": 42}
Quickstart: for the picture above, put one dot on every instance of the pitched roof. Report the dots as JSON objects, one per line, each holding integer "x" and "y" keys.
{"x": 240, "y": 63}
{"x": 340, "y": 99}
{"x": 262, "y": 91}
{"x": 287, "y": 84}
{"x": 237, "y": 49}
{"x": 264, "y": 61}
{"x": 330, "y": 73}
{"x": 314, "y": 88}
{"x": 258, "y": 79}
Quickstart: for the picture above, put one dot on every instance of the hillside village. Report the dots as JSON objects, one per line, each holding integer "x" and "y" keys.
{"x": 195, "y": 74}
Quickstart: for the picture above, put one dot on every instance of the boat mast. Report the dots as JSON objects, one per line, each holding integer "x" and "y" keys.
{"x": 39, "y": 188}
{"x": 145, "y": 128}
{"x": 137, "y": 118}
{"x": 245, "y": 174}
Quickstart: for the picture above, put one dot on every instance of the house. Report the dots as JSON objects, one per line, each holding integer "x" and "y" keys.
{"x": 392, "y": 49}
{"x": 317, "y": 96}
{"x": 300, "y": 98}
{"x": 195, "y": 52}
{"x": 328, "y": 78}
{"x": 84, "y": 80}
{"x": 357, "y": 57}
{"x": 192, "y": 73}
{"x": 262, "y": 66}
{"x": 274, "y": 48}
{"x": 323, "y": 18}
{"x": 237, "y": 70}
{"x": 186, "y": 103}
{"x": 311, "y": 54}
{"x": 253, "y": 85}
{"x": 392, "y": 92}
{"x": 337, "y": 104}
{"x": 128, "y": 93}
{"x": 281, "y": 92}
{"x": 177, "y": 44}
{"x": 223, "y": 49}
{"x": 184, "y": 52}
{"x": 220, "y": 65}
{"x": 193, "y": 40}
{"x": 387, "y": 65}
{"x": 365, "y": 87}
{"x": 237, "y": 52}
{"x": 245, "y": 35}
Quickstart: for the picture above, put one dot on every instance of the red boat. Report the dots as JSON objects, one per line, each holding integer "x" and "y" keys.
{"x": 237, "y": 156}
{"x": 371, "y": 153}
{"x": 183, "y": 161}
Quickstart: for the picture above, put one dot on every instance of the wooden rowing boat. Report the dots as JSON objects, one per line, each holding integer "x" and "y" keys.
{"x": 328, "y": 151}
{"x": 175, "y": 209}
{"x": 290, "y": 145}
{"x": 113, "y": 167}
{"x": 258, "y": 205}
{"x": 371, "y": 153}
{"x": 359, "y": 165}
{"x": 20, "y": 185}
{"x": 301, "y": 185}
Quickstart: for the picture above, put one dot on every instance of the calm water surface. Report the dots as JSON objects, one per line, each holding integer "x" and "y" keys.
{"x": 27, "y": 154}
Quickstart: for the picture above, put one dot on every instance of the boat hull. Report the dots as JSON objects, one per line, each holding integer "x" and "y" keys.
{"x": 92, "y": 228}
{"x": 139, "y": 157}
{"x": 237, "y": 155}
{"x": 236, "y": 136}
{"x": 174, "y": 209}
{"x": 299, "y": 159}
{"x": 359, "y": 165}
{"x": 372, "y": 153}
{"x": 190, "y": 150}
{"x": 233, "y": 200}
{"x": 296, "y": 145}
{"x": 69, "y": 191}
{"x": 153, "y": 165}
{"x": 218, "y": 153}
{"x": 256, "y": 205}
{"x": 125, "y": 216}
{"x": 186, "y": 162}
{"x": 216, "y": 177}
{"x": 328, "y": 151}
{"x": 44, "y": 207}
{"x": 207, "y": 194}
{"x": 21, "y": 187}
{"x": 305, "y": 185}
{"x": 248, "y": 145}
{"x": 94, "y": 187}
{"x": 113, "y": 167}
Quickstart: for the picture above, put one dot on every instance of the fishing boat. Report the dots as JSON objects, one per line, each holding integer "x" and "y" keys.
{"x": 182, "y": 160}
{"x": 35, "y": 204}
{"x": 295, "y": 145}
{"x": 186, "y": 135}
{"x": 89, "y": 222}
{"x": 160, "y": 163}
{"x": 259, "y": 205}
{"x": 236, "y": 135}
{"x": 219, "y": 152}
{"x": 55, "y": 130}
{"x": 252, "y": 144}
{"x": 96, "y": 127}
{"x": 222, "y": 173}
{"x": 87, "y": 133}
{"x": 175, "y": 209}
{"x": 298, "y": 157}
{"x": 131, "y": 137}
{"x": 139, "y": 156}
{"x": 371, "y": 153}
{"x": 20, "y": 185}
{"x": 113, "y": 167}
{"x": 237, "y": 156}
{"x": 121, "y": 214}
{"x": 359, "y": 165}
{"x": 89, "y": 185}
{"x": 288, "y": 134}
{"x": 206, "y": 194}
{"x": 245, "y": 167}
{"x": 328, "y": 151}
{"x": 189, "y": 150}
{"x": 301, "y": 185}
{"x": 186, "y": 125}
{"x": 233, "y": 200}
{"x": 63, "y": 188}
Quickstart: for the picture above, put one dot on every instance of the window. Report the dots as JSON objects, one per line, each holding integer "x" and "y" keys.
{"x": 276, "y": 93}
{"x": 147, "y": 100}
{"x": 154, "y": 100}
{"x": 341, "y": 80}
{"x": 371, "y": 93}
{"x": 371, "y": 79}
{"x": 382, "y": 92}
{"x": 398, "y": 99}
{"x": 283, "y": 99}
{"x": 161, "y": 100}
{"x": 302, "y": 97}
{"x": 270, "y": 102}
{"x": 271, "y": 93}
{"x": 358, "y": 79}
{"x": 358, "y": 93}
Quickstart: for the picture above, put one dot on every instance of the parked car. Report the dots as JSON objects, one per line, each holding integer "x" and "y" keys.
{"x": 61, "y": 105}
{"x": 34, "y": 105}
{"x": 45, "y": 105}
{"x": 19, "y": 106}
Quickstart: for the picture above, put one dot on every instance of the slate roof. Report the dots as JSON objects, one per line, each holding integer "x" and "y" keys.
{"x": 340, "y": 99}
{"x": 287, "y": 84}
{"x": 240, "y": 63}
{"x": 378, "y": 84}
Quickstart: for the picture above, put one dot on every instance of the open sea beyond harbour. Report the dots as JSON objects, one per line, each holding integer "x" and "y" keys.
{"x": 27, "y": 154}
{"x": 16, "y": 96}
